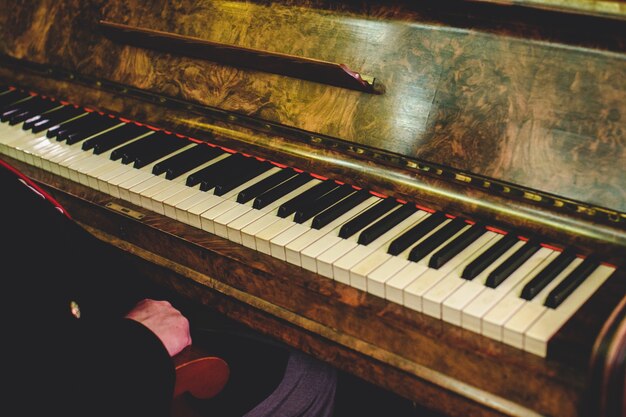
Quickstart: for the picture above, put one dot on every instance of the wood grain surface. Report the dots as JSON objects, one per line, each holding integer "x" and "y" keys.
{"x": 525, "y": 110}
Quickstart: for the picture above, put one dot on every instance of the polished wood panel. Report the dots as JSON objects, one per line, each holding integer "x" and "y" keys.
{"x": 526, "y": 111}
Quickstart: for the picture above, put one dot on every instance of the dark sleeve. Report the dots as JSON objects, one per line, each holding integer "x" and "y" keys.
{"x": 100, "y": 364}
{"x": 125, "y": 368}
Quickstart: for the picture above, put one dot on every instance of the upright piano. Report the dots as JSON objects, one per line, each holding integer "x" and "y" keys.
{"x": 429, "y": 195}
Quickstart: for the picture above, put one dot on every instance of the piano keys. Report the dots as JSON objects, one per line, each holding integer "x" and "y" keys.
{"x": 422, "y": 259}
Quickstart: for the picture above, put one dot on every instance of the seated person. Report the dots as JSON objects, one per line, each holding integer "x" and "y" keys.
{"x": 81, "y": 340}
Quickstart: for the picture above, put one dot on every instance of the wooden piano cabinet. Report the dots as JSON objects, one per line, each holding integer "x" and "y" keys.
{"x": 509, "y": 113}
{"x": 438, "y": 365}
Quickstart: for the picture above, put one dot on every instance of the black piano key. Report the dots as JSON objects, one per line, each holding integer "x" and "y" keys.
{"x": 113, "y": 138}
{"x": 185, "y": 161}
{"x": 264, "y": 185}
{"x": 506, "y": 268}
{"x": 435, "y": 240}
{"x": 489, "y": 256}
{"x": 307, "y": 197}
{"x": 339, "y": 209}
{"x": 252, "y": 169}
{"x": 16, "y": 108}
{"x": 162, "y": 146}
{"x": 42, "y": 107}
{"x": 198, "y": 176}
{"x": 224, "y": 171}
{"x": 305, "y": 213}
{"x": 457, "y": 245}
{"x": 69, "y": 125}
{"x": 281, "y": 190}
{"x": 385, "y": 224}
{"x": 571, "y": 282}
{"x": 415, "y": 233}
{"x": 547, "y": 274}
{"x": 367, "y": 217}
{"x": 129, "y": 152}
{"x": 51, "y": 118}
{"x": 11, "y": 97}
{"x": 103, "y": 123}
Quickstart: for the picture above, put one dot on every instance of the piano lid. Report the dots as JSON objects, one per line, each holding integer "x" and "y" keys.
{"x": 535, "y": 98}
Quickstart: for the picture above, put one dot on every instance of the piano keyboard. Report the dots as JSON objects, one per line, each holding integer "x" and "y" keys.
{"x": 491, "y": 282}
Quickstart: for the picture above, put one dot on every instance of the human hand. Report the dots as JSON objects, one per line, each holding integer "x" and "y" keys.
{"x": 166, "y": 322}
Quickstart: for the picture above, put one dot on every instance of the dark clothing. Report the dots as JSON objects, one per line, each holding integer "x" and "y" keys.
{"x": 57, "y": 364}
{"x": 307, "y": 390}
{"x": 102, "y": 364}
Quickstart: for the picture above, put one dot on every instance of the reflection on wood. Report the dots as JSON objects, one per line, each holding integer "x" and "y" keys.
{"x": 290, "y": 65}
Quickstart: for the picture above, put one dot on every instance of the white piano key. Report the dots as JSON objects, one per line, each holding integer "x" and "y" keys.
{"x": 358, "y": 272}
{"x": 395, "y": 286}
{"x": 134, "y": 193}
{"x": 125, "y": 186}
{"x": 414, "y": 292}
{"x": 157, "y": 202}
{"x": 8, "y": 130}
{"x": 294, "y": 248}
{"x": 278, "y": 243}
{"x": 60, "y": 160}
{"x": 45, "y": 161}
{"x": 326, "y": 260}
{"x": 228, "y": 225}
{"x": 14, "y": 146}
{"x": 473, "y": 312}
{"x": 176, "y": 204}
{"x": 514, "y": 329}
{"x": 453, "y": 306}
{"x": 18, "y": 150}
{"x": 494, "y": 320}
{"x": 250, "y": 232}
{"x": 336, "y": 249}
{"x": 146, "y": 195}
{"x": 102, "y": 177}
{"x": 12, "y": 135}
{"x": 88, "y": 164}
{"x": 98, "y": 176}
{"x": 126, "y": 175}
{"x": 221, "y": 222}
{"x": 194, "y": 212}
{"x": 391, "y": 266}
{"x": 377, "y": 279}
{"x": 539, "y": 334}
{"x": 310, "y": 254}
{"x": 65, "y": 152}
{"x": 128, "y": 189}
{"x": 170, "y": 205}
{"x": 208, "y": 218}
{"x": 85, "y": 155}
{"x": 247, "y": 221}
{"x": 433, "y": 299}
{"x": 263, "y": 238}
{"x": 120, "y": 186}
{"x": 38, "y": 148}
{"x": 182, "y": 208}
